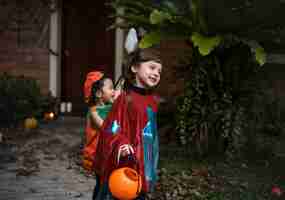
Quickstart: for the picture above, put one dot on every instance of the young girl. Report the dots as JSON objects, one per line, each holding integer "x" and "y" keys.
{"x": 99, "y": 94}
{"x": 131, "y": 128}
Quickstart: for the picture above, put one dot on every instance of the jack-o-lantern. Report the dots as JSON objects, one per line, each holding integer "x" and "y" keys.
{"x": 30, "y": 123}
{"x": 49, "y": 116}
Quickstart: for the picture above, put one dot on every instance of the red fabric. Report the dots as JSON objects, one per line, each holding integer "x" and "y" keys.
{"x": 129, "y": 110}
{"x": 90, "y": 79}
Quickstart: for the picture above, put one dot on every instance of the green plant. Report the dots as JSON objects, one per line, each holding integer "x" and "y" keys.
{"x": 20, "y": 98}
{"x": 220, "y": 88}
{"x": 211, "y": 111}
{"x": 215, "y": 196}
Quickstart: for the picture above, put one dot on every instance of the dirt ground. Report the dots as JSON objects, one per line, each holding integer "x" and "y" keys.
{"x": 46, "y": 164}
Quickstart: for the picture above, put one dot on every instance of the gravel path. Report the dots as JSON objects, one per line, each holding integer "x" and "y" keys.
{"x": 43, "y": 164}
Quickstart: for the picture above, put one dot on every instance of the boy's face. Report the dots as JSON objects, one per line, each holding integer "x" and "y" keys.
{"x": 147, "y": 74}
{"x": 107, "y": 92}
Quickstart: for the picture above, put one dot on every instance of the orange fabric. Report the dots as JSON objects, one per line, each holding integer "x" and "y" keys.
{"x": 88, "y": 154}
{"x": 89, "y": 150}
{"x": 91, "y": 136}
{"x": 90, "y": 132}
{"x": 90, "y": 79}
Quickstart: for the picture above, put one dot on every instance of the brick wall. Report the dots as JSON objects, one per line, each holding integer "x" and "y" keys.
{"x": 26, "y": 61}
{"x": 272, "y": 79}
{"x": 24, "y": 37}
{"x": 171, "y": 83}
{"x": 272, "y": 75}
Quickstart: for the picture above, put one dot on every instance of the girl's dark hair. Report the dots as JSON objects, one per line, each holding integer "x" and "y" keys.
{"x": 97, "y": 85}
{"x": 136, "y": 58}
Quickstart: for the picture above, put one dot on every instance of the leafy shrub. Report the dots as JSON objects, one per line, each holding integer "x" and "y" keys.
{"x": 211, "y": 113}
{"x": 217, "y": 109}
{"x": 20, "y": 98}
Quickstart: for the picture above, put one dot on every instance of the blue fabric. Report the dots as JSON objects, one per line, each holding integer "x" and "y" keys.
{"x": 101, "y": 192}
{"x": 150, "y": 143}
{"x": 96, "y": 188}
{"x": 114, "y": 127}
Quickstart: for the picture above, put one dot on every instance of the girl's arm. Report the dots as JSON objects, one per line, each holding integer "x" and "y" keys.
{"x": 96, "y": 119}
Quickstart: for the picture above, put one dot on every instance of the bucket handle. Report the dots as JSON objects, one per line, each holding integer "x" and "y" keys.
{"x": 122, "y": 148}
{"x": 131, "y": 153}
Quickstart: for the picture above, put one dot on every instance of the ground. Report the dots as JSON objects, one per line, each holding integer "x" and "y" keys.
{"x": 221, "y": 178}
{"x": 45, "y": 164}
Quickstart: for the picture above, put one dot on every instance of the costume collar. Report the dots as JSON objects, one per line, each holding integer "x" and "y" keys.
{"x": 142, "y": 91}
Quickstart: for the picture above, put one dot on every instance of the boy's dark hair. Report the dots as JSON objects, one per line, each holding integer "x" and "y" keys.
{"x": 137, "y": 57}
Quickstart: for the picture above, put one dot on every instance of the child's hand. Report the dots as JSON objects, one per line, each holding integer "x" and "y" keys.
{"x": 125, "y": 150}
{"x": 116, "y": 94}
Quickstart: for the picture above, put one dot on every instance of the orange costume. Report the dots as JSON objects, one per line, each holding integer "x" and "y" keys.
{"x": 91, "y": 135}
{"x": 91, "y": 131}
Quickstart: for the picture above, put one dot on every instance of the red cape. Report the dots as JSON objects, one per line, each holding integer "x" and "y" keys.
{"x": 124, "y": 125}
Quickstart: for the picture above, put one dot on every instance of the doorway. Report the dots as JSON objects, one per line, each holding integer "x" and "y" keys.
{"x": 86, "y": 45}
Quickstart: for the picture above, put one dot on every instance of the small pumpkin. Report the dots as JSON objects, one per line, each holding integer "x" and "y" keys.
{"x": 49, "y": 116}
{"x": 31, "y": 123}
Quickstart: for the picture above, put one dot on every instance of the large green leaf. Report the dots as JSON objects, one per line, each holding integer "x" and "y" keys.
{"x": 260, "y": 55}
{"x": 257, "y": 50}
{"x": 150, "y": 39}
{"x": 205, "y": 44}
{"x": 158, "y": 17}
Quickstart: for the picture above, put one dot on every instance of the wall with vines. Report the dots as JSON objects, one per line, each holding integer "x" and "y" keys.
{"x": 222, "y": 101}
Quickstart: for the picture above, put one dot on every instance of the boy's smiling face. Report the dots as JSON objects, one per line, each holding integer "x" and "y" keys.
{"x": 147, "y": 74}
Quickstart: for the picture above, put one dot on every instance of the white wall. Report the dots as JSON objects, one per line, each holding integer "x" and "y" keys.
{"x": 55, "y": 52}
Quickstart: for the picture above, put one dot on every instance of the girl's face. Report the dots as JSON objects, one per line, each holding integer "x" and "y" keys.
{"x": 107, "y": 92}
{"x": 147, "y": 74}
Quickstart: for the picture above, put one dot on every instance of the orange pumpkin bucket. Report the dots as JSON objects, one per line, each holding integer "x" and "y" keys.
{"x": 125, "y": 183}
